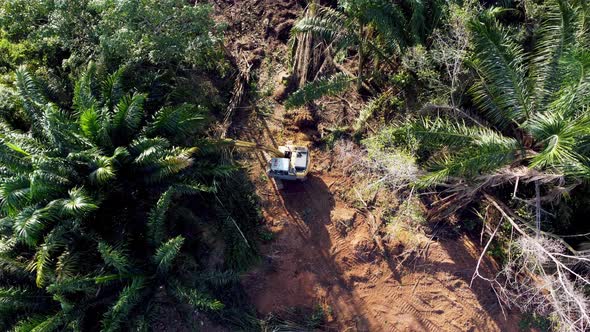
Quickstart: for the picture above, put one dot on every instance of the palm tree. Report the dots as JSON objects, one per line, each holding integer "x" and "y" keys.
{"x": 532, "y": 105}
{"x": 528, "y": 147}
{"x": 90, "y": 204}
{"x": 376, "y": 30}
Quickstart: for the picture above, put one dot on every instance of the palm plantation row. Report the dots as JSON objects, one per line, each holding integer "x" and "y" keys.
{"x": 116, "y": 203}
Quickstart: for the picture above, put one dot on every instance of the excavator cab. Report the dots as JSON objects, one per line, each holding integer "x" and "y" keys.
{"x": 292, "y": 164}
{"x": 288, "y": 162}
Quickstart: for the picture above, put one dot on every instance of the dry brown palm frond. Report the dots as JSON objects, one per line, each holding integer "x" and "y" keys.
{"x": 458, "y": 192}
{"x": 240, "y": 83}
{"x": 542, "y": 273}
{"x": 521, "y": 174}
{"x": 303, "y": 118}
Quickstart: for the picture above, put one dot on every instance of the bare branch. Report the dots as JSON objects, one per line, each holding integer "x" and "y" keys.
{"x": 540, "y": 276}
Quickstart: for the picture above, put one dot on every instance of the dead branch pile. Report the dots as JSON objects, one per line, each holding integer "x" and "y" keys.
{"x": 390, "y": 168}
{"x": 458, "y": 192}
{"x": 542, "y": 273}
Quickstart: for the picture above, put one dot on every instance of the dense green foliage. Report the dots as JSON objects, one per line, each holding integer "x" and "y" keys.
{"x": 116, "y": 210}
{"x": 91, "y": 205}
{"x": 163, "y": 43}
{"x": 535, "y": 103}
{"x": 162, "y": 33}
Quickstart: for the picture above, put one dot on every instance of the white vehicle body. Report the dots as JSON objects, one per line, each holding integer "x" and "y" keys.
{"x": 293, "y": 165}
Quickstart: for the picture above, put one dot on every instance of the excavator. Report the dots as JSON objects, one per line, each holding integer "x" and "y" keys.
{"x": 288, "y": 162}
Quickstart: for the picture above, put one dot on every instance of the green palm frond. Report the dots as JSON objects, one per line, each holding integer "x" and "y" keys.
{"x": 48, "y": 121}
{"x": 30, "y": 94}
{"x": 14, "y": 147}
{"x": 143, "y": 147}
{"x": 48, "y": 323}
{"x": 556, "y": 36}
{"x": 327, "y": 24}
{"x": 557, "y": 151}
{"x": 433, "y": 178}
{"x": 84, "y": 89}
{"x": 559, "y": 136}
{"x": 167, "y": 252}
{"x": 197, "y": 299}
{"x": 116, "y": 257}
{"x": 18, "y": 298}
{"x": 178, "y": 122}
{"x": 43, "y": 261}
{"x": 104, "y": 170}
{"x": 14, "y": 194}
{"x": 12, "y": 265}
{"x": 389, "y": 21}
{"x": 73, "y": 285}
{"x": 43, "y": 187}
{"x": 370, "y": 109}
{"x": 469, "y": 163}
{"x": 67, "y": 264}
{"x": 438, "y": 133}
{"x": 61, "y": 170}
{"x": 46, "y": 185}
{"x": 112, "y": 88}
{"x": 330, "y": 86}
{"x": 61, "y": 131}
{"x": 77, "y": 204}
{"x": 128, "y": 299}
{"x": 157, "y": 217}
{"x": 500, "y": 63}
{"x": 121, "y": 155}
{"x": 463, "y": 151}
{"x": 574, "y": 93}
{"x": 12, "y": 158}
{"x": 128, "y": 116}
{"x": 109, "y": 278}
{"x": 150, "y": 156}
{"x": 175, "y": 161}
{"x": 91, "y": 124}
{"x": 23, "y": 139}
{"x": 28, "y": 224}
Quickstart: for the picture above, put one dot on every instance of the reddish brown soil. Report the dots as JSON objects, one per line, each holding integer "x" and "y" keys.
{"x": 311, "y": 262}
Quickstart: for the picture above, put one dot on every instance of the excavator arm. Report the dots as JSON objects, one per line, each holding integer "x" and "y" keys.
{"x": 289, "y": 162}
{"x": 252, "y": 146}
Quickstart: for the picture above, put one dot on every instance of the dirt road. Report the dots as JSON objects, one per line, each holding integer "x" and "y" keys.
{"x": 312, "y": 261}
